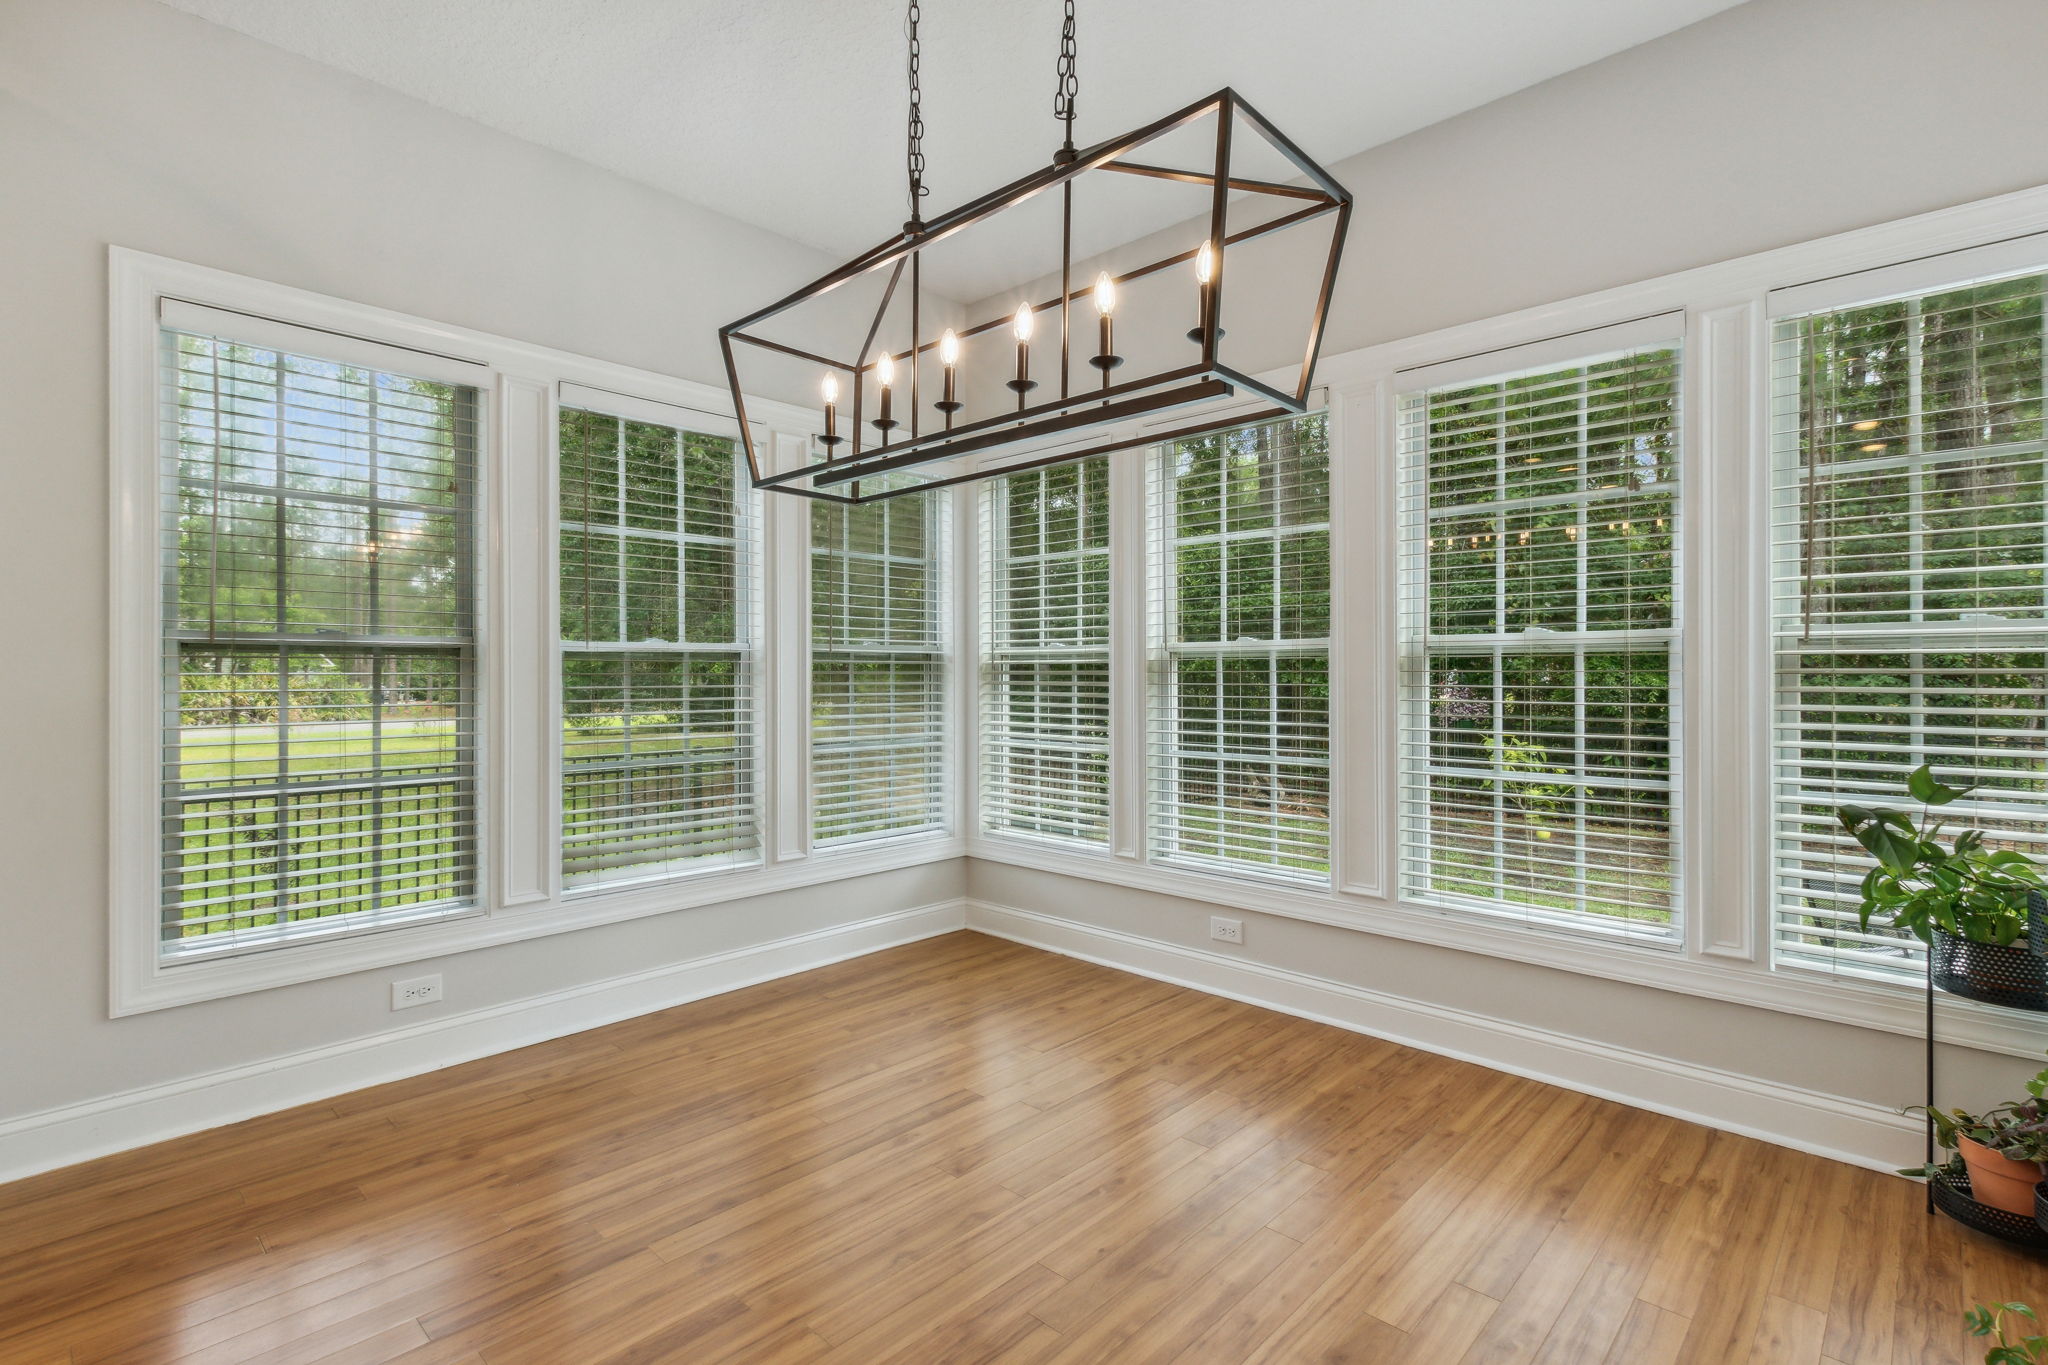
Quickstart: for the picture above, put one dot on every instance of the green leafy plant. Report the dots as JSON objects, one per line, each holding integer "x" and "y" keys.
{"x": 2017, "y": 1129}
{"x": 1990, "y": 1319}
{"x": 1919, "y": 886}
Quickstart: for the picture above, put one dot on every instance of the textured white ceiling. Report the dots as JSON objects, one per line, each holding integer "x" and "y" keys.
{"x": 788, "y": 114}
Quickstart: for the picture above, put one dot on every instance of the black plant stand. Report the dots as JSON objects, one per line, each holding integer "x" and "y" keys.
{"x": 1955, "y": 1200}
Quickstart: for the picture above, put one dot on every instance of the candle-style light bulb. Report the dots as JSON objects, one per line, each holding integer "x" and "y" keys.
{"x": 949, "y": 356}
{"x": 885, "y": 375}
{"x": 1106, "y": 358}
{"x": 830, "y": 389}
{"x": 1105, "y": 294}
{"x": 1205, "y": 299}
{"x": 1023, "y": 383}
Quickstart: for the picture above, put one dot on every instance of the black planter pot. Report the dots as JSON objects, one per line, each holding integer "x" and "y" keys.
{"x": 2009, "y": 975}
{"x": 1951, "y": 1190}
{"x": 2037, "y": 923}
{"x": 2041, "y": 1205}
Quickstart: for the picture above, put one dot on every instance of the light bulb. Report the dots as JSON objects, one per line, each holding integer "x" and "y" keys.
{"x": 1105, "y": 294}
{"x": 885, "y": 370}
{"x": 1205, "y": 264}
{"x": 949, "y": 348}
{"x": 1022, "y": 324}
{"x": 831, "y": 389}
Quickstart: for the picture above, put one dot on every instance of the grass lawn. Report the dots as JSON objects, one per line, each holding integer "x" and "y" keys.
{"x": 246, "y": 862}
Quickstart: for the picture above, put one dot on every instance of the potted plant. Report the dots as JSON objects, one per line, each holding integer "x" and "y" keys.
{"x": 1988, "y": 1319}
{"x": 2003, "y": 1148}
{"x": 1968, "y": 904}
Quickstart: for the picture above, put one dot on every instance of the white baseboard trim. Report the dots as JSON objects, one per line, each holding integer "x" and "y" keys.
{"x": 79, "y": 1132}
{"x": 1854, "y": 1131}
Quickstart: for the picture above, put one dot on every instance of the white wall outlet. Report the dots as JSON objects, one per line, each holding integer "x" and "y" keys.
{"x": 420, "y": 990}
{"x": 1226, "y": 930}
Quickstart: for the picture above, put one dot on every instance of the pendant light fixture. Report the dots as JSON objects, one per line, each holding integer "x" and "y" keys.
{"x": 869, "y": 343}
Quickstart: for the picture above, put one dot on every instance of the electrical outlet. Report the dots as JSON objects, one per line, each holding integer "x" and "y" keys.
{"x": 1226, "y": 930}
{"x": 421, "y": 990}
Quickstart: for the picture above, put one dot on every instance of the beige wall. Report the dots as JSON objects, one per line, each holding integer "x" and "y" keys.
{"x": 122, "y": 121}
{"x": 1776, "y": 122}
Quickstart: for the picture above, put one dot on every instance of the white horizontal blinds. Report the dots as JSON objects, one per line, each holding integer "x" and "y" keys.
{"x": 319, "y": 729}
{"x": 1540, "y": 642}
{"x": 1240, "y": 742}
{"x": 658, "y": 637}
{"x": 878, "y": 670}
{"x": 1908, "y": 589}
{"x": 1045, "y": 686}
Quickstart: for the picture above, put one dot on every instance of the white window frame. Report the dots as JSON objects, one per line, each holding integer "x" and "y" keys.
{"x": 1723, "y": 952}
{"x": 1551, "y": 353}
{"x": 1909, "y": 279}
{"x": 519, "y": 894}
{"x": 942, "y": 554}
{"x": 984, "y": 495}
{"x": 1164, "y": 655}
{"x": 750, "y": 587}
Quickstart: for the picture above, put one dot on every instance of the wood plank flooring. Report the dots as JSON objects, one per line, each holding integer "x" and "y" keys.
{"x": 964, "y": 1150}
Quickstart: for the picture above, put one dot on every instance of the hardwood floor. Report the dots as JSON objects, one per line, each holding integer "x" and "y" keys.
{"x": 964, "y": 1150}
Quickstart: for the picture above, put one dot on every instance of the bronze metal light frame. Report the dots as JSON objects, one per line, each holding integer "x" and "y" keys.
{"x": 1075, "y": 408}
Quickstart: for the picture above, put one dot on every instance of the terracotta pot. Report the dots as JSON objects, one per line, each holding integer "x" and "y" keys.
{"x": 1998, "y": 1180}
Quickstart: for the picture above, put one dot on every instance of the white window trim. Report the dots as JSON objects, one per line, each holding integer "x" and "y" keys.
{"x": 1654, "y": 332}
{"x": 1726, "y": 665}
{"x": 519, "y": 892}
{"x": 943, "y": 558}
{"x": 977, "y": 499}
{"x": 1158, "y": 532}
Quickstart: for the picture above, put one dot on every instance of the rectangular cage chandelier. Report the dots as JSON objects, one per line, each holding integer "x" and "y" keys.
{"x": 913, "y": 389}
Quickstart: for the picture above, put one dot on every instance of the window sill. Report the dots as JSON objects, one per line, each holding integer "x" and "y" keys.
{"x": 1886, "y": 1007}
{"x": 138, "y": 987}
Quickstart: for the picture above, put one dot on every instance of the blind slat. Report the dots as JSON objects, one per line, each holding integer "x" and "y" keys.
{"x": 1909, "y": 607}
{"x": 319, "y": 740}
{"x": 1045, "y": 658}
{"x": 1540, "y": 639}
{"x": 1240, "y": 690}
{"x": 658, "y": 626}
{"x": 878, "y": 670}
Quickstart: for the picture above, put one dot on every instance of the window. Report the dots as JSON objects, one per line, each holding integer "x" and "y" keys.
{"x": 1045, "y": 688}
{"x": 319, "y": 770}
{"x": 657, "y": 628}
{"x": 1241, "y": 671}
{"x": 1540, "y": 643}
{"x": 878, "y": 675}
{"x": 1908, "y": 589}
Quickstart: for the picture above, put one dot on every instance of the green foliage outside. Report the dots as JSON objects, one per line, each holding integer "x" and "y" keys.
{"x": 1045, "y": 719}
{"x": 1551, "y": 518}
{"x": 656, "y": 696}
{"x": 1921, "y": 424}
{"x": 319, "y": 613}
{"x": 878, "y": 705}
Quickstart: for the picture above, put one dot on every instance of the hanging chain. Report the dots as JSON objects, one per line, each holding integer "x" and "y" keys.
{"x": 1069, "y": 84}
{"x": 915, "y": 158}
